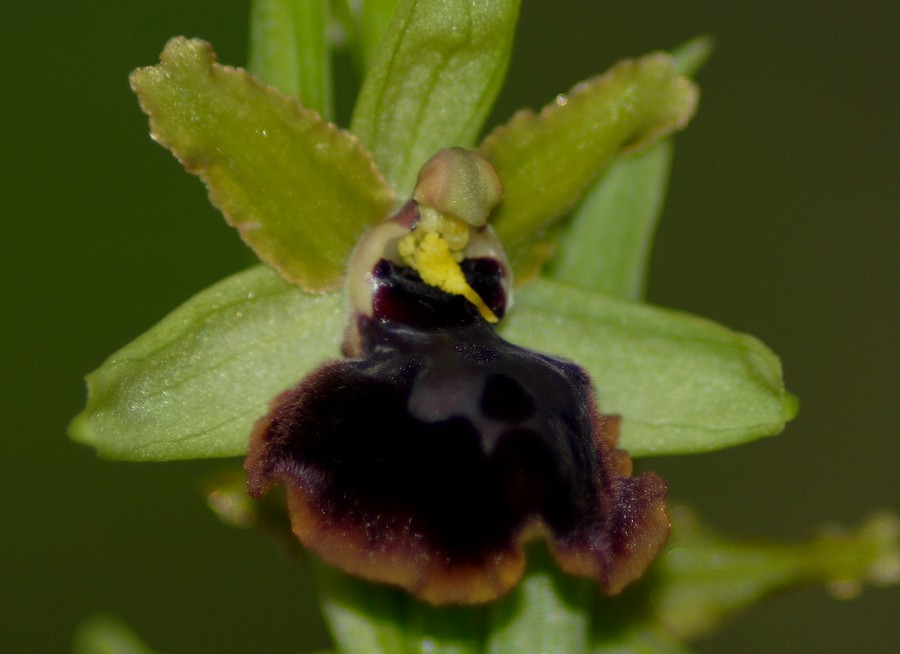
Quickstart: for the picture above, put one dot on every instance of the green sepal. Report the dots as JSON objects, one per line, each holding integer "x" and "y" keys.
{"x": 299, "y": 190}
{"x": 548, "y": 160}
{"x": 681, "y": 383}
{"x": 289, "y": 49}
{"x": 193, "y": 385}
{"x": 432, "y": 82}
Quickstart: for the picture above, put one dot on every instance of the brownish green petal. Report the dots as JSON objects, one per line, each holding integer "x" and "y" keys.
{"x": 298, "y": 189}
{"x": 547, "y": 160}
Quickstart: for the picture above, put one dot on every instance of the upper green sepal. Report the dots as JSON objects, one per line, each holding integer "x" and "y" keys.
{"x": 548, "y": 160}
{"x": 299, "y": 190}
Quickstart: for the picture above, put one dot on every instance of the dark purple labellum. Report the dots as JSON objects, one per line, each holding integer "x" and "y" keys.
{"x": 427, "y": 461}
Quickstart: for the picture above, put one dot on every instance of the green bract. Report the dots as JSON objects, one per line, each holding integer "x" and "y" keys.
{"x": 104, "y": 634}
{"x": 635, "y": 187}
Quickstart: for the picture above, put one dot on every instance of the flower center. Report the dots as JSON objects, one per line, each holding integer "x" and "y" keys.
{"x": 435, "y": 249}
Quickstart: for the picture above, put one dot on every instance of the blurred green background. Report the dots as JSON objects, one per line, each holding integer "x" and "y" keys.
{"x": 781, "y": 221}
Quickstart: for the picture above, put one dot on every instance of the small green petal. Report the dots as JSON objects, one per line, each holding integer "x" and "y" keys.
{"x": 681, "y": 383}
{"x": 299, "y": 190}
{"x": 701, "y": 579}
{"x": 193, "y": 385}
{"x": 548, "y": 160}
{"x": 289, "y": 49}
{"x": 437, "y": 72}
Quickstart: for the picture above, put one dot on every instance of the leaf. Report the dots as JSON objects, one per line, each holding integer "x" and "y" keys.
{"x": 438, "y": 69}
{"x": 681, "y": 383}
{"x": 193, "y": 385}
{"x": 701, "y": 578}
{"x": 299, "y": 190}
{"x": 104, "y": 634}
{"x": 289, "y": 49}
{"x": 547, "y": 161}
